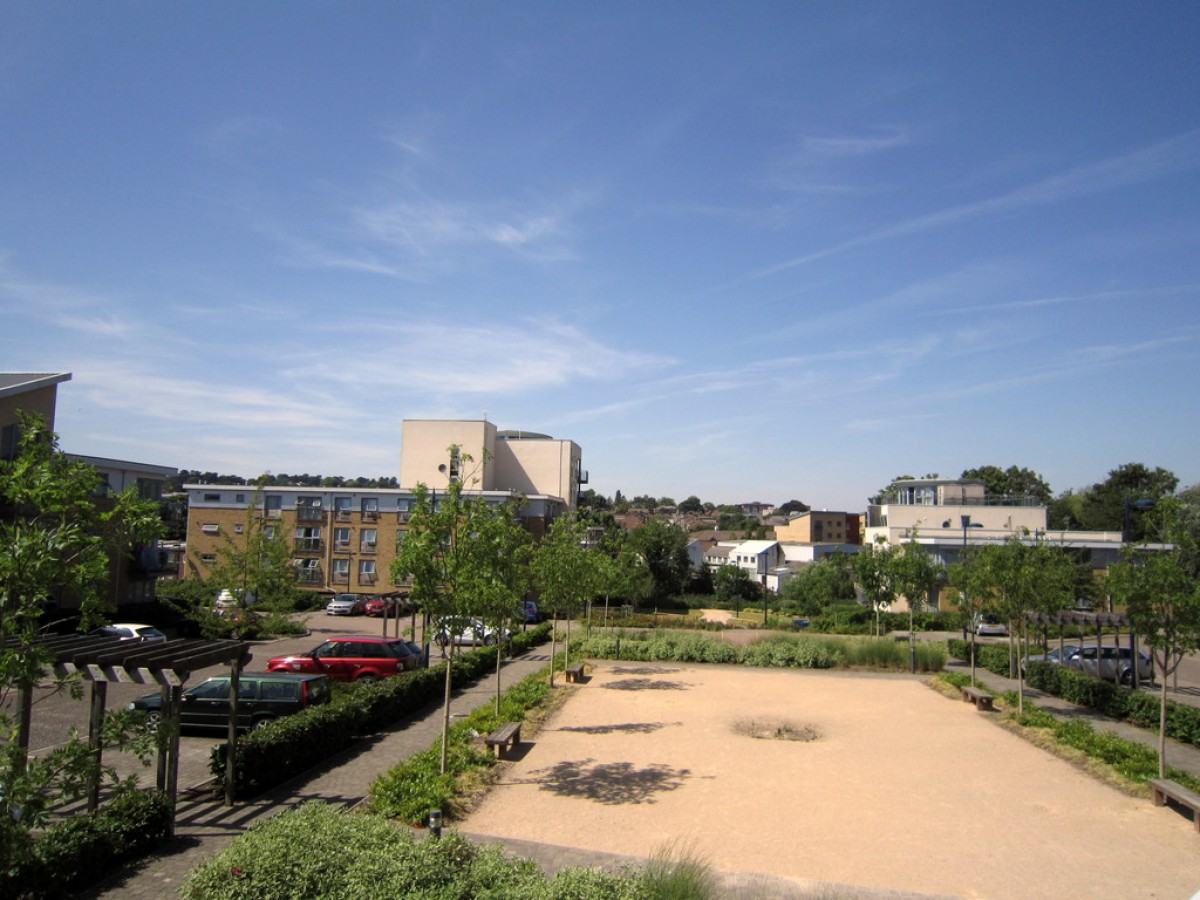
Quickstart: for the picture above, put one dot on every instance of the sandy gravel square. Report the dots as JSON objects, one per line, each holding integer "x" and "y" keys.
{"x": 858, "y": 779}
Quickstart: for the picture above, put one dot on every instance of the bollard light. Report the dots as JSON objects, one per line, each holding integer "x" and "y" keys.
{"x": 435, "y": 823}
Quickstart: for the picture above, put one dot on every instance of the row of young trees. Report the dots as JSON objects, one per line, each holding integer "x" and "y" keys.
{"x": 467, "y": 559}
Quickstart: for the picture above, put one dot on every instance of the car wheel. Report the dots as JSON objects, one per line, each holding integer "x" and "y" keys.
{"x": 1127, "y": 677}
{"x": 153, "y": 720}
{"x": 262, "y": 722}
{"x": 368, "y": 677}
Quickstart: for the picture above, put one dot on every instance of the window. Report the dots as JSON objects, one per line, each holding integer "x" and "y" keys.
{"x": 239, "y": 528}
{"x": 271, "y": 531}
{"x": 212, "y": 498}
{"x": 210, "y": 528}
{"x": 10, "y": 441}
{"x": 208, "y": 559}
{"x": 342, "y": 507}
{"x": 341, "y": 571}
{"x": 273, "y": 504}
{"x": 239, "y": 498}
{"x": 341, "y": 539}
{"x": 370, "y": 507}
{"x": 366, "y": 571}
{"x": 367, "y": 539}
{"x": 308, "y": 539}
{"x": 309, "y": 509}
{"x": 149, "y": 489}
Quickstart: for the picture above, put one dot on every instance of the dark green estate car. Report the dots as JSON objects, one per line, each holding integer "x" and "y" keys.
{"x": 262, "y": 697}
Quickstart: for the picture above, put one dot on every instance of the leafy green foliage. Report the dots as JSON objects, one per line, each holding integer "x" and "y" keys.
{"x": 1011, "y": 483}
{"x": 287, "y": 856}
{"x": 663, "y": 547}
{"x": 816, "y": 586}
{"x": 79, "y": 850}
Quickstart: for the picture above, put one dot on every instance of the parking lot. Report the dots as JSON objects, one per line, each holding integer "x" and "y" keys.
{"x": 56, "y": 714}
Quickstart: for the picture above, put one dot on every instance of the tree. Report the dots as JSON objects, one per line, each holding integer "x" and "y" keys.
{"x": 820, "y": 584}
{"x": 566, "y": 573}
{"x": 53, "y": 546}
{"x": 258, "y": 567}
{"x": 913, "y": 576}
{"x": 873, "y": 577}
{"x": 622, "y": 570}
{"x": 1161, "y": 591}
{"x": 691, "y": 505}
{"x": 1011, "y": 482}
{"x": 792, "y": 506}
{"x": 448, "y": 558}
{"x": 664, "y": 549}
{"x": 735, "y": 586}
{"x": 1017, "y": 577}
{"x": 1120, "y": 502}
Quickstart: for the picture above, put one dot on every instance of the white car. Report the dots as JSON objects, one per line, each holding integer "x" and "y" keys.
{"x": 129, "y": 631}
{"x": 990, "y": 626}
{"x": 475, "y": 632}
{"x": 346, "y": 605}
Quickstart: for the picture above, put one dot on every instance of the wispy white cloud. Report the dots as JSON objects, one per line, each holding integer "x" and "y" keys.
{"x": 1129, "y": 295}
{"x": 1144, "y": 164}
{"x": 854, "y": 145}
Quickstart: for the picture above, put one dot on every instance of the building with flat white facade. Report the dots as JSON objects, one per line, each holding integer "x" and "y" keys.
{"x": 510, "y": 460}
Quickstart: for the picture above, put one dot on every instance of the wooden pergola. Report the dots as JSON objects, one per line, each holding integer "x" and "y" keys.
{"x": 1089, "y": 621}
{"x": 102, "y": 660}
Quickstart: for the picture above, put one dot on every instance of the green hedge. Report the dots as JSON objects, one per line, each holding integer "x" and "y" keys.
{"x": 81, "y": 850}
{"x": 993, "y": 657}
{"x": 289, "y": 745}
{"x": 1114, "y": 700}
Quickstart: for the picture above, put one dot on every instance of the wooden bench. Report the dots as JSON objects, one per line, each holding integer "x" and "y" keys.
{"x": 981, "y": 699}
{"x": 1163, "y": 789}
{"x": 506, "y": 736}
{"x": 574, "y": 672}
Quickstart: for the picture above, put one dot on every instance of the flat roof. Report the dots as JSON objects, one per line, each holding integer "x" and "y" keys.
{"x": 24, "y": 382}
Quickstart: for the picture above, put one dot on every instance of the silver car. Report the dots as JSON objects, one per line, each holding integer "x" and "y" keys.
{"x": 1109, "y": 662}
{"x": 1054, "y": 657}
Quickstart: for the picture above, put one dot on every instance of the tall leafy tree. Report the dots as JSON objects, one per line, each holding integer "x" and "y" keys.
{"x": 1161, "y": 591}
{"x": 1120, "y": 502}
{"x": 55, "y": 537}
{"x": 1011, "y": 482}
{"x": 735, "y": 586}
{"x": 820, "y": 584}
{"x": 664, "y": 548}
{"x": 566, "y": 573}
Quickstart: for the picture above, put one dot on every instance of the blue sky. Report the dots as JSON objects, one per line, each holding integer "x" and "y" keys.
{"x": 753, "y": 251}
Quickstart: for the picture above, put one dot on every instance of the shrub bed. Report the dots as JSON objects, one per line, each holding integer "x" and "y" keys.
{"x": 292, "y": 744}
{"x": 82, "y": 849}
{"x": 410, "y": 789}
{"x": 993, "y": 657}
{"x": 287, "y": 856}
{"x": 776, "y": 650}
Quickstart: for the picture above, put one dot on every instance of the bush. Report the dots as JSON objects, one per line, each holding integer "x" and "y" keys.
{"x": 794, "y": 652}
{"x": 993, "y": 657}
{"x": 287, "y": 856}
{"x": 82, "y": 849}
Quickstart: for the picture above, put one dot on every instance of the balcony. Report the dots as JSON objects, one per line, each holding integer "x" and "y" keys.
{"x": 309, "y": 544}
{"x": 309, "y": 575}
{"x": 310, "y": 514}
{"x": 367, "y": 577}
{"x": 370, "y": 515}
{"x": 366, "y": 547}
{"x": 340, "y": 578}
{"x": 341, "y": 546}
{"x": 403, "y": 516}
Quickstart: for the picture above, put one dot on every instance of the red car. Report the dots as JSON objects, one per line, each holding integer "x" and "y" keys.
{"x": 353, "y": 657}
{"x": 388, "y": 605}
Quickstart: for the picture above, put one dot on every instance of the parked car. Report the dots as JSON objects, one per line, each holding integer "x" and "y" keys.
{"x": 353, "y": 657}
{"x": 385, "y": 604}
{"x": 1054, "y": 657}
{"x": 262, "y": 698}
{"x": 346, "y": 605}
{"x": 474, "y": 632}
{"x": 128, "y": 631}
{"x": 532, "y": 614}
{"x": 1109, "y": 662}
{"x": 990, "y": 625}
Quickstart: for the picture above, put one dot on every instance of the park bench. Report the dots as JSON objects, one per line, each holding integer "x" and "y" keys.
{"x": 506, "y": 736}
{"x": 574, "y": 672}
{"x": 981, "y": 699}
{"x": 1163, "y": 789}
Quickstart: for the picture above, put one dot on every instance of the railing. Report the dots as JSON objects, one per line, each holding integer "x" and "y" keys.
{"x": 308, "y": 576}
{"x": 370, "y": 515}
{"x": 309, "y": 514}
{"x": 403, "y": 516}
{"x": 340, "y": 578}
{"x": 367, "y": 577}
{"x": 367, "y": 547}
{"x": 341, "y": 546}
{"x": 309, "y": 544}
